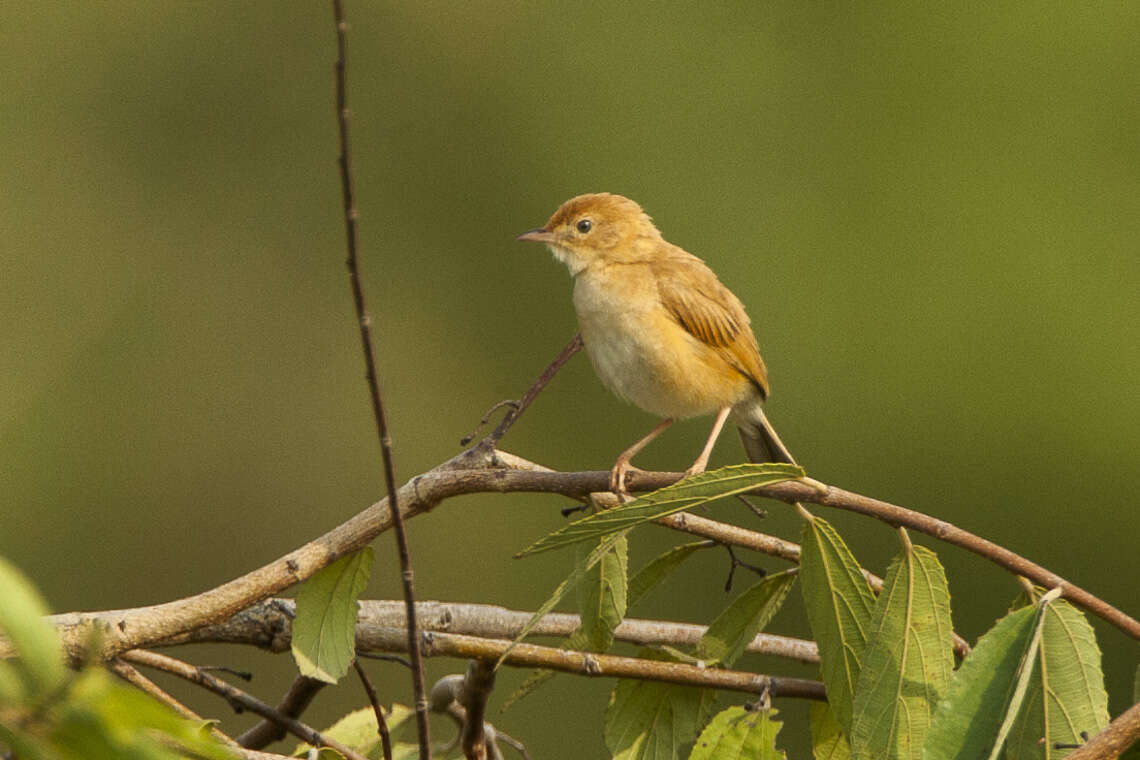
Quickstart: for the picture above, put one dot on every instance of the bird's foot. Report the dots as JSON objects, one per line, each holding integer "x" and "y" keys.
{"x": 617, "y": 479}
{"x": 696, "y": 469}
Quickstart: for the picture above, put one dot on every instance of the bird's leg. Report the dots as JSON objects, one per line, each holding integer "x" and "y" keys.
{"x": 622, "y": 465}
{"x": 703, "y": 460}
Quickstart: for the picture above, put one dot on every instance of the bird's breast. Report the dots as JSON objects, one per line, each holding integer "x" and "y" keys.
{"x": 641, "y": 352}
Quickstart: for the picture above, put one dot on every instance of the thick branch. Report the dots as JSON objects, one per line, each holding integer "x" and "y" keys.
{"x": 267, "y": 625}
{"x": 477, "y": 686}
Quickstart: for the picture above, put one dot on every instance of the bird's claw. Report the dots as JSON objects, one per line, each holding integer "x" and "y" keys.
{"x": 617, "y": 480}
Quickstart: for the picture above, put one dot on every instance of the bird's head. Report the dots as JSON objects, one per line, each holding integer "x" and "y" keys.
{"x": 597, "y": 227}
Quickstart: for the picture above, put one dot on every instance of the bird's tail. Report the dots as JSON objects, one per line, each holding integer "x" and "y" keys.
{"x": 760, "y": 440}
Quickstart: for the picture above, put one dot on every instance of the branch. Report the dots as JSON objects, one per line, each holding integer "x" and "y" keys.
{"x": 296, "y": 700}
{"x": 267, "y": 625}
{"x": 518, "y": 407}
{"x": 236, "y": 697}
{"x": 407, "y": 575}
{"x": 477, "y": 686}
{"x": 1118, "y": 736}
{"x": 377, "y": 710}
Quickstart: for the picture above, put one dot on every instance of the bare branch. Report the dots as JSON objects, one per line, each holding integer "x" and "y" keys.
{"x": 481, "y": 471}
{"x": 378, "y": 618}
{"x": 296, "y": 700}
{"x": 477, "y": 685}
{"x": 517, "y": 408}
{"x": 236, "y": 697}
{"x": 377, "y": 710}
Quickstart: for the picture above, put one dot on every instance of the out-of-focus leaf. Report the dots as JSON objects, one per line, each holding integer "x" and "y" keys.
{"x": 602, "y": 596}
{"x": 987, "y": 691}
{"x": 649, "y": 720}
{"x": 659, "y": 569}
{"x": 22, "y": 610}
{"x": 839, "y": 603}
{"x": 1066, "y": 693}
{"x": 907, "y": 662}
{"x": 358, "y": 729}
{"x": 747, "y": 615}
{"x": 324, "y": 629}
{"x": 739, "y": 734}
{"x": 682, "y": 495}
{"x": 125, "y": 721}
{"x": 827, "y": 739}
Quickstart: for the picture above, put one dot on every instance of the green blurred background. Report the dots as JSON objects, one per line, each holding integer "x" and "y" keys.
{"x": 933, "y": 215}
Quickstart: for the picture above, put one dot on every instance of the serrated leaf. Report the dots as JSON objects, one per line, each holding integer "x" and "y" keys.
{"x": 581, "y": 568}
{"x": 650, "y": 720}
{"x": 324, "y": 628}
{"x": 1066, "y": 693}
{"x": 907, "y": 662}
{"x": 747, "y": 615}
{"x": 641, "y": 584}
{"x": 682, "y": 495}
{"x": 739, "y": 734}
{"x": 839, "y": 604}
{"x": 35, "y": 642}
{"x": 827, "y": 739}
{"x": 986, "y": 692}
{"x": 659, "y": 568}
{"x": 602, "y": 596}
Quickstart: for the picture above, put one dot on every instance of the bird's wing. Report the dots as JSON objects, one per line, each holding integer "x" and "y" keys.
{"x": 711, "y": 313}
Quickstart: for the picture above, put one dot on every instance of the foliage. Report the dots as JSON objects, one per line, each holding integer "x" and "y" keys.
{"x": 324, "y": 629}
{"x": 47, "y": 713}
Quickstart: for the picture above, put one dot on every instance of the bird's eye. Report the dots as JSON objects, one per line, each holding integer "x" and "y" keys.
{"x": 585, "y": 225}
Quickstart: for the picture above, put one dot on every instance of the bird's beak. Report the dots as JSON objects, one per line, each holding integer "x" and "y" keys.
{"x": 537, "y": 236}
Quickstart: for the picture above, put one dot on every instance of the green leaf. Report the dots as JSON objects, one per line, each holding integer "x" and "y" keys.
{"x": 35, "y": 641}
{"x": 827, "y": 740}
{"x": 908, "y": 659}
{"x": 1066, "y": 691}
{"x": 358, "y": 729}
{"x": 660, "y": 568}
{"x": 124, "y": 720}
{"x": 650, "y": 720}
{"x": 324, "y": 629}
{"x": 986, "y": 692}
{"x": 581, "y": 568}
{"x": 839, "y": 604}
{"x": 739, "y": 733}
{"x": 682, "y": 495}
{"x": 602, "y": 596}
{"x": 747, "y": 615}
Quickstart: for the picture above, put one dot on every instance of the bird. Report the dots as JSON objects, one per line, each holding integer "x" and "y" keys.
{"x": 660, "y": 329}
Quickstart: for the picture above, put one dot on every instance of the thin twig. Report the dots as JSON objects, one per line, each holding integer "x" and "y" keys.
{"x": 377, "y": 710}
{"x": 292, "y": 705}
{"x": 573, "y": 347}
{"x": 236, "y": 697}
{"x": 350, "y": 216}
